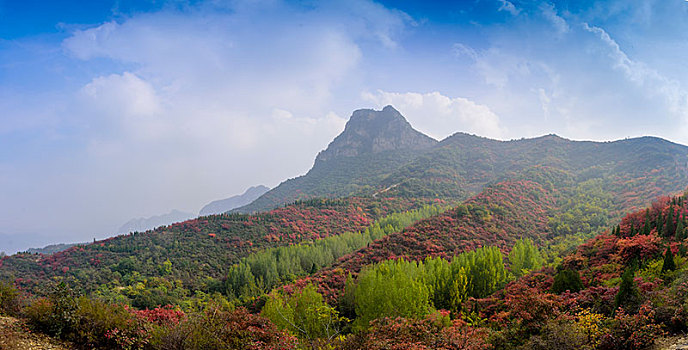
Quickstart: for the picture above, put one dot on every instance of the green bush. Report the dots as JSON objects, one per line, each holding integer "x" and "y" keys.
{"x": 56, "y": 315}
{"x": 567, "y": 280}
{"x": 87, "y": 322}
{"x": 303, "y": 313}
{"x": 9, "y": 299}
{"x": 107, "y": 326}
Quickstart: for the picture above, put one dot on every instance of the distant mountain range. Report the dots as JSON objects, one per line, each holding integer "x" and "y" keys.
{"x": 144, "y": 224}
{"x": 52, "y": 248}
{"x": 215, "y": 207}
{"x": 227, "y": 204}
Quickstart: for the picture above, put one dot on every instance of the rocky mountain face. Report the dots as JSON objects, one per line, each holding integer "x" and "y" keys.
{"x": 227, "y": 204}
{"x": 373, "y": 144}
{"x": 369, "y": 132}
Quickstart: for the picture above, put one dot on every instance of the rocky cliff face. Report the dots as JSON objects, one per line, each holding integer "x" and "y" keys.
{"x": 370, "y": 131}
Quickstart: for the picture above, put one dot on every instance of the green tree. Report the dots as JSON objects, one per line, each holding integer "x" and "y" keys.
{"x": 669, "y": 264}
{"x": 165, "y": 268}
{"x": 9, "y": 299}
{"x": 670, "y": 228}
{"x": 392, "y": 288}
{"x": 567, "y": 280}
{"x": 647, "y": 228}
{"x": 303, "y": 313}
{"x": 628, "y": 296}
{"x": 680, "y": 230}
{"x": 524, "y": 257}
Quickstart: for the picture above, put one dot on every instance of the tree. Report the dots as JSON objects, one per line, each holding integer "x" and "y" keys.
{"x": 567, "y": 280}
{"x": 524, "y": 257}
{"x": 9, "y": 299}
{"x": 303, "y": 313}
{"x": 392, "y": 288}
{"x": 647, "y": 228}
{"x": 628, "y": 296}
{"x": 680, "y": 230}
{"x": 670, "y": 228}
{"x": 668, "y": 264}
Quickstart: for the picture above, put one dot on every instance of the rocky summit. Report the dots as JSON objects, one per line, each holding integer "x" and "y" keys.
{"x": 371, "y": 131}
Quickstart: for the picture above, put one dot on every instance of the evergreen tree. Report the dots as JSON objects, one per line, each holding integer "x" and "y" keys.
{"x": 567, "y": 280}
{"x": 660, "y": 224}
{"x": 669, "y": 264}
{"x": 680, "y": 230}
{"x": 670, "y": 227}
{"x": 647, "y": 228}
{"x": 628, "y": 296}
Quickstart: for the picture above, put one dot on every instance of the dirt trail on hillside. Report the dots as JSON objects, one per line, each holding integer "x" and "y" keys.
{"x": 14, "y": 335}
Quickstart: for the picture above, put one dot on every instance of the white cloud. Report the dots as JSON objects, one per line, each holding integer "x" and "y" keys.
{"x": 549, "y": 11}
{"x": 440, "y": 116}
{"x": 123, "y": 94}
{"x": 654, "y": 83}
{"x": 508, "y": 7}
{"x": 494, "y": 65}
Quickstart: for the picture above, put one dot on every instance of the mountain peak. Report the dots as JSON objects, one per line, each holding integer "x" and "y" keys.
{"x": 371, "y": 131}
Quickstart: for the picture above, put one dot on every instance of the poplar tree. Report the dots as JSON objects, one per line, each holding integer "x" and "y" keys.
{"x": 524, "y": 257}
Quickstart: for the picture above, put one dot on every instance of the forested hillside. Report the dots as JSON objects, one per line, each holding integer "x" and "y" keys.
{"x": 499, "y": 216}
{"x": 173, "y": 261}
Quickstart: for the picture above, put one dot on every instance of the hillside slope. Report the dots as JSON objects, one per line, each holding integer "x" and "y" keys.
{"x": 498, "y": 216}
{"x": 193, "y": 254}
{"x": 15, "y": 335}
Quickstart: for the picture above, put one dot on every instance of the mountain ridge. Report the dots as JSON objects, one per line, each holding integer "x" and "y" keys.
{"x": 224, "y": 205}
{"x": 461, "y": 164}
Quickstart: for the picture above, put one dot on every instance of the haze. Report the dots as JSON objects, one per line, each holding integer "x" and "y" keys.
{"x": 123, "y": 109}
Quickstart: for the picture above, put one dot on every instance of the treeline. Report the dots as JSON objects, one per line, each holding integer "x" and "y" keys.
{"x": 400, "y": 288}
{"x": 260, "y": 272}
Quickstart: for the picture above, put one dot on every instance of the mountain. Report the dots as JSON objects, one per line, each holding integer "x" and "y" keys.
{"x": 227, "y": 204}
{"x": 52, "y": 248}
{"x": 380, "y": 151}
{"x": 371, "y": 132}
{"x": 373, "y": 144}
{"x": 144, "y": 224}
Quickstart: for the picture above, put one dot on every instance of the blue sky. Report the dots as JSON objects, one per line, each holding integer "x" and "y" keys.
{"x": 111, "y": 110}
